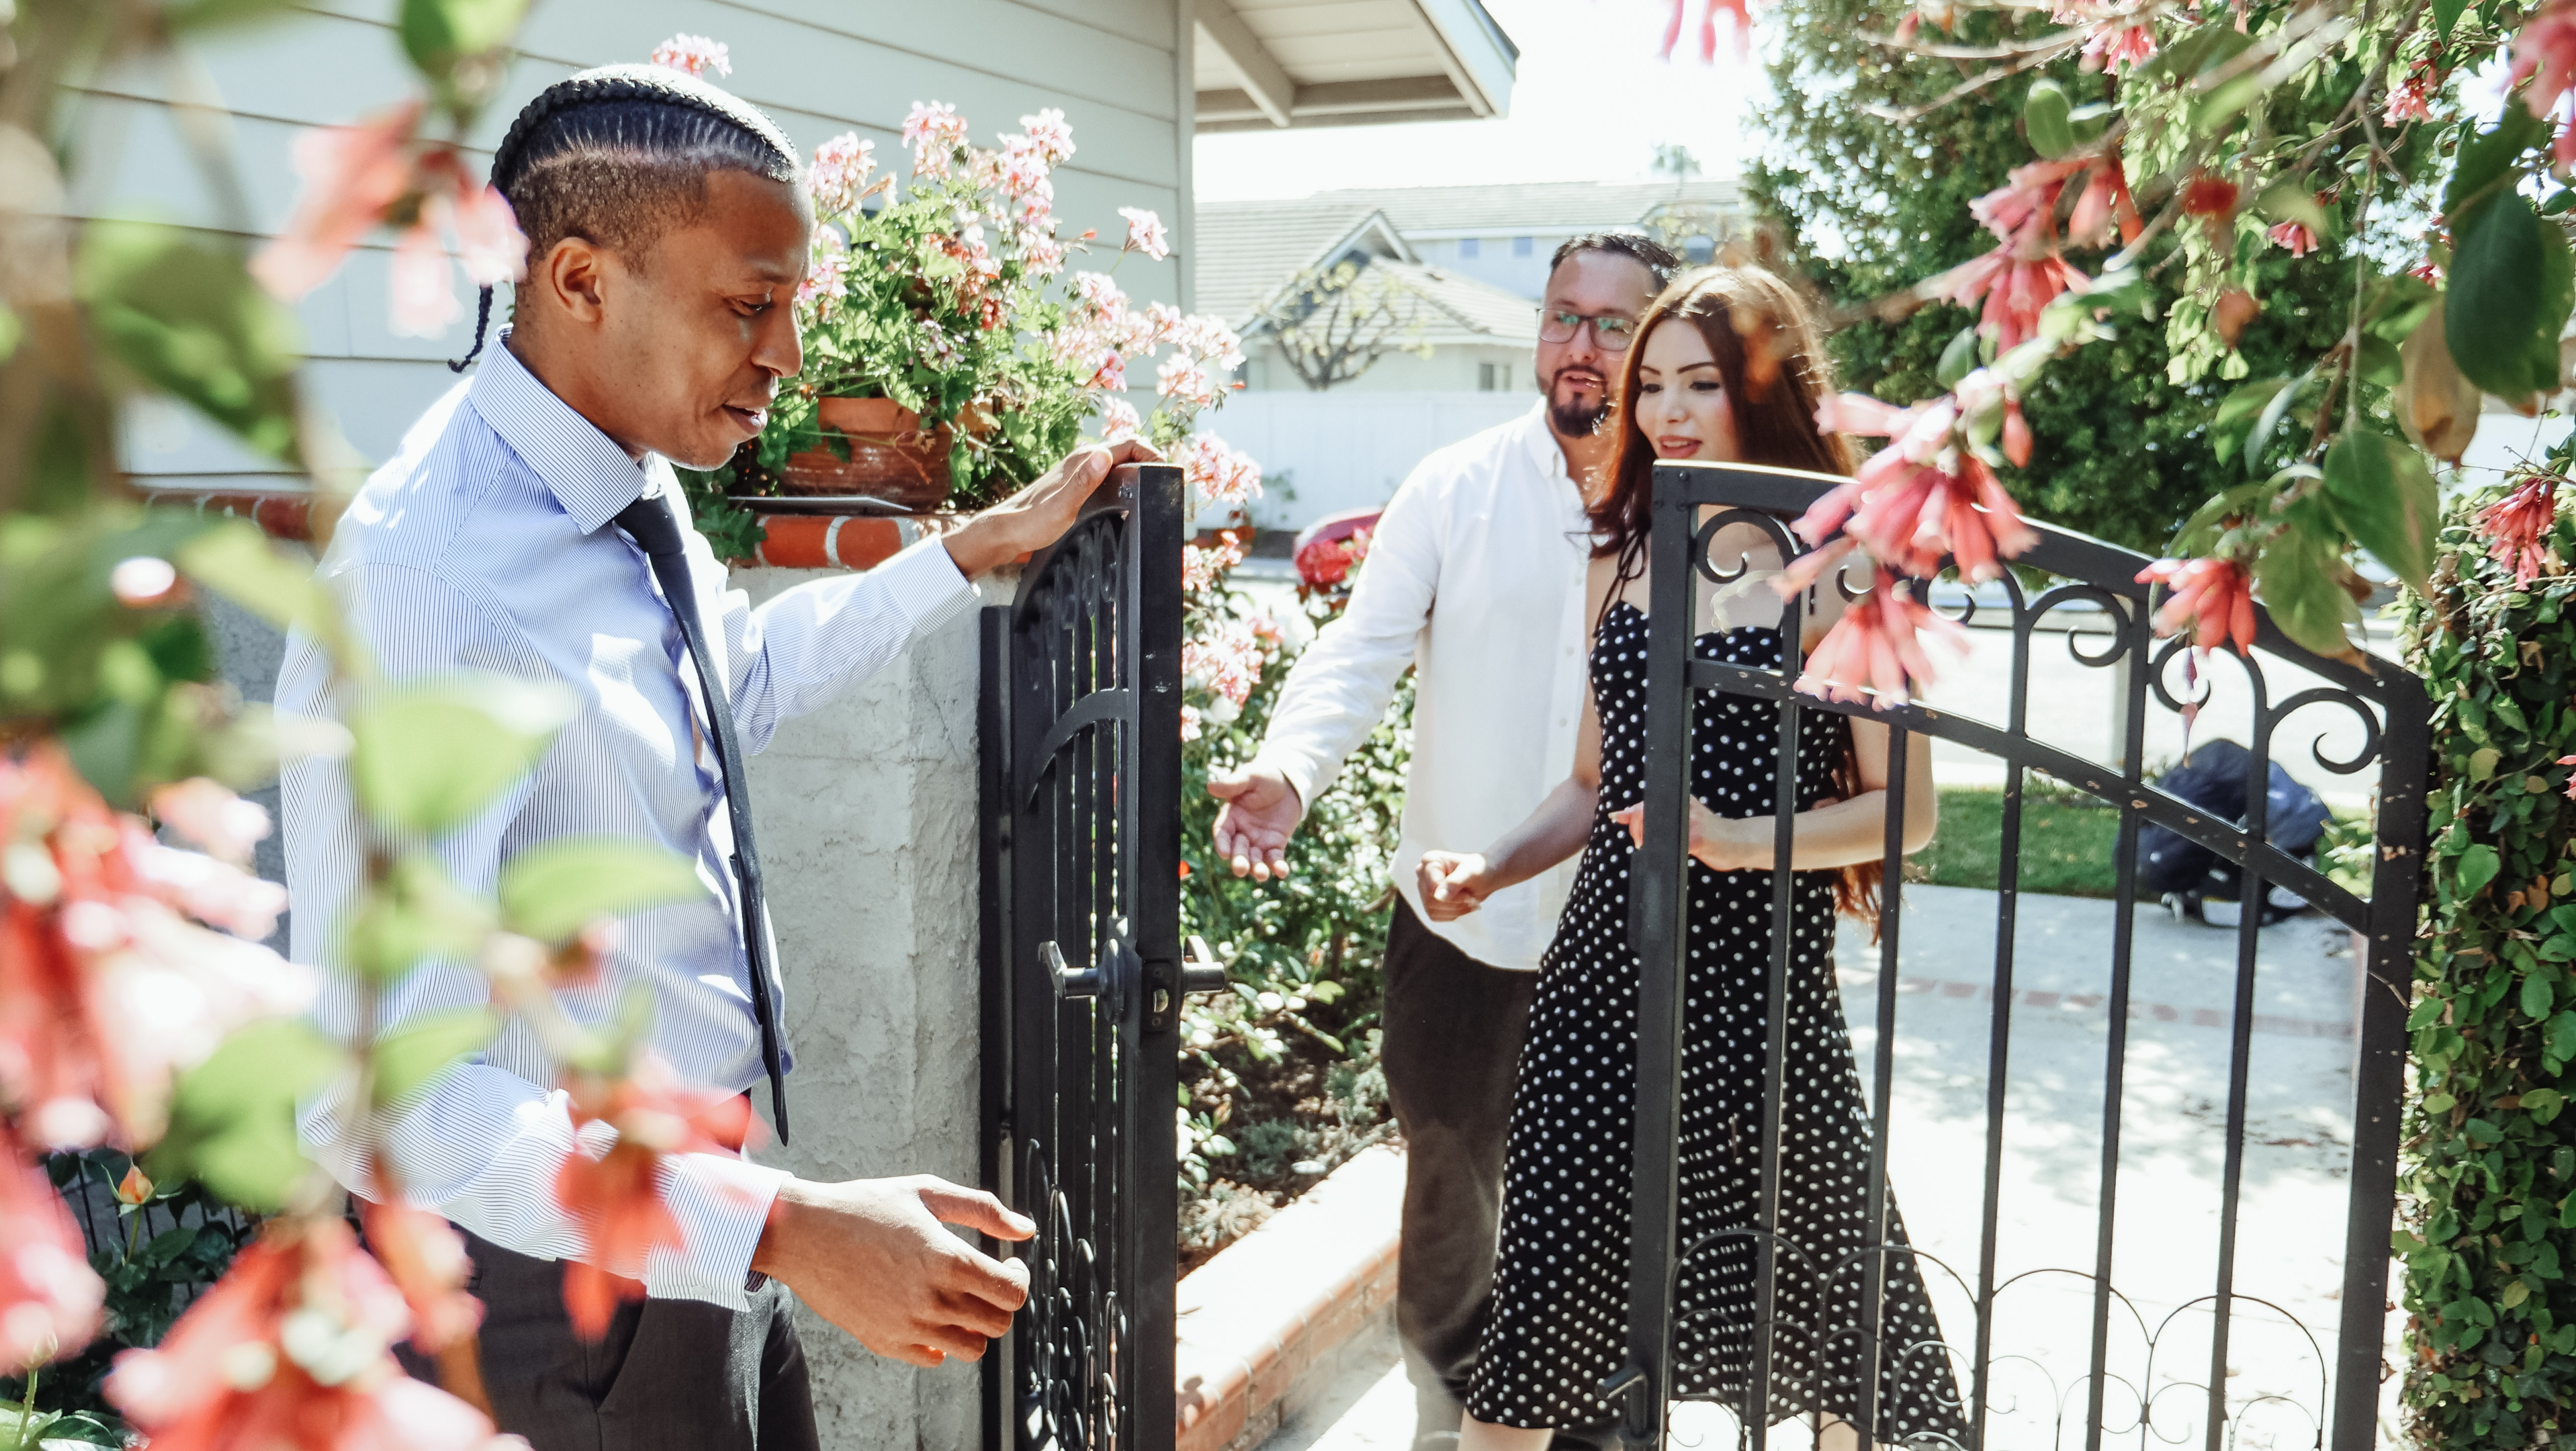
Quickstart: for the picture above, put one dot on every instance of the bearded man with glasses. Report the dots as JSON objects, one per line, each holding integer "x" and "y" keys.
{"x": 1475, "y": 578}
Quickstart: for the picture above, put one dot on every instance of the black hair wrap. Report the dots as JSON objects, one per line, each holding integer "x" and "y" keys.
{"x": 619, "y": 85}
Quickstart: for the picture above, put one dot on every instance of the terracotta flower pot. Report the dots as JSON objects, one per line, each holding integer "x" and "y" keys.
{"x": 891, "y": 457}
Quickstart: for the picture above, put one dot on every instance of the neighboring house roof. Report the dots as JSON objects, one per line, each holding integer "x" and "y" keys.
{"x": 1520, "y": 208}
{"x": 1460, "y": 309}
{"x": 1248, "y": 250}
{"x": 1266, "y": 63}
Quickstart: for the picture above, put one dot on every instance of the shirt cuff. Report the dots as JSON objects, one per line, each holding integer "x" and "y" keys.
{"x": 924, "y": 583}
{"x": 1305, "y": 775}
{"x": 722, "y": 1204}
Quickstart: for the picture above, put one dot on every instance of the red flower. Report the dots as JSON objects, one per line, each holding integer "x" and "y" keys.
{"x": 106, "y": 989}
{"x": 1915, "y": 501}
{"x": 2105, "y": 202}
{"x": 615, "y": 1195}
{"x": 351, "y": 175}
{"x": 426, "y": 1258}
{"x": 2517, "y": 528}
{"x": 292, "y": 1348}
{"x": 1329, "y": 549}
{"x": 1875, "y": 650}
{"x": 49, "y": 1300}
{"x": 2544, "y": 53}
{"x": 2294, "y": 236}
{"x": 2212, "y": 595}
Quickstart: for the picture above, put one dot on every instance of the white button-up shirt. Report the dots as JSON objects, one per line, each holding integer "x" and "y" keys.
{"x": 1474, "y": 576}
{"x": 486, "y": 545}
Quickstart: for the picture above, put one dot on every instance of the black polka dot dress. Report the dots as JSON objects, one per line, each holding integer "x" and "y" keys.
{"x": 1559, "y": 1320}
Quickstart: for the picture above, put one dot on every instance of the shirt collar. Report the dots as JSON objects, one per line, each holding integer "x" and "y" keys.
{"x": 591, "y": 477}
{"x": 1540, "y": 440}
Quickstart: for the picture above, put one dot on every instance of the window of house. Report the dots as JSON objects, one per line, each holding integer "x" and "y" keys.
{"x": 1470, "y": 246}
{"x": 1489, "y": 378}
{"x": 1521, "y": 246}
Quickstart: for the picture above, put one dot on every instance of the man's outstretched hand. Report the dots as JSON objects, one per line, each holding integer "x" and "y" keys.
{"x": 1038, "y": 515}
{"x": 869, "y": 1255}
{"x": 1261, "y": 810}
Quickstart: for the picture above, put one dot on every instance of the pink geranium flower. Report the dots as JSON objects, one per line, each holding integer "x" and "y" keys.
{"x": 1874, "y": 653}
{"x": 1119, "y": 419}
{"x": 2516, "y": 528}
{"x": 2212, "y": 596}
{"x": 695, "y": 54}
{"x": 838, "y": 177}
{"x": 351, "y": 175}
{"x": 1181, "y": 379}
{"x": 1145, "y": 233}
{"x": 934, "y": 132}
{"x": 1048, "y": 132}
{"x": 1220, "y": 476}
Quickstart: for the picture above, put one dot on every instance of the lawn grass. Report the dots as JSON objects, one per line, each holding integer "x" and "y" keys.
{"x": 2066, "y": 843}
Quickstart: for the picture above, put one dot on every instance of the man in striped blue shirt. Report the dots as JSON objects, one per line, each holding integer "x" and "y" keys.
{"x": 668, "y": 232}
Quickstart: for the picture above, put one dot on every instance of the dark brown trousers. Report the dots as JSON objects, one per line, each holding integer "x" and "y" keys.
{"x": 670, "y": 1375}
{"x": 1453, "y": 1028}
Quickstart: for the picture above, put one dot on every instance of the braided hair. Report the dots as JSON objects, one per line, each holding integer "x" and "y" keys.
{"x": 620, "y": 154}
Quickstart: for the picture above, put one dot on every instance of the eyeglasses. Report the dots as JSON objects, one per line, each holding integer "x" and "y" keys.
{"x": 1611, "y": 331}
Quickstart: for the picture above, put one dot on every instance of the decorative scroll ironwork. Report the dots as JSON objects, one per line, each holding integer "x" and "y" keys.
{"x": 1081, "y": 735}
{"x": 2150, "y": 1406}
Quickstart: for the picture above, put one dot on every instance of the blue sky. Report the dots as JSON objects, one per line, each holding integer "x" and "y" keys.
{"x": 1591, "y": 102}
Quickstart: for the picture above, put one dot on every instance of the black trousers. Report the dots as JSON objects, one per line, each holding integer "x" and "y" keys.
{"x": 670, "y": 1375}
{"x": 1451, "y": 1048}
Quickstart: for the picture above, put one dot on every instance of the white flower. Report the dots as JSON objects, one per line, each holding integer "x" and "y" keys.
{"x": 1118, "y": 418}
{"x": 1048, "y": 132}
{"x": 213, "y": 818}
{"x": 934, "y": 131}
{"x": 1145, "y": 233}
{"x": 839, "y": 173}
{"x": 1182, "y": 379}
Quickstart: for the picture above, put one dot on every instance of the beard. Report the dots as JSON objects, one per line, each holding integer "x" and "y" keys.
{"x": 1570, "y": 413}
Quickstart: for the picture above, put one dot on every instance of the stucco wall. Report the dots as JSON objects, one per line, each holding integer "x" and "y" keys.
{"x": 866, "y": 814}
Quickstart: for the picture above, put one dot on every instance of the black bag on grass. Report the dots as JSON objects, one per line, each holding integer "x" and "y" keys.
{"x": 2188, "y": 874}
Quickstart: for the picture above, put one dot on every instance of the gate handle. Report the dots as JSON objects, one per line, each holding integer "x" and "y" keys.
{"x": 1069, "y": 982}
{"x": 1200, "y": 971}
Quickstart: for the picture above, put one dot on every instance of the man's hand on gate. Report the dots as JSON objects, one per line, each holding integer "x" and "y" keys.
{"x": 1038, "y": 515}
{"x": 869, "y": 1255}
{"x": 1252, "y": 828}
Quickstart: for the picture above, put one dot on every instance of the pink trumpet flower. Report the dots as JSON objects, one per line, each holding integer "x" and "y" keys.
{"x": 1921, "y": 498}
{"x": 2115, "y": 46}
{"x": 2104, "y": 203}
{"x": 2021, "y": 277}
{"x": 2516, "y": 528}
{"x": 1874, "y": 653}
{"x": 2294, "y": 236}
{"x": 2213, "y": 596}
{"x": 49, "y": 1298}
{"x": 2571, "y": 776}
{"x": 351, "y": 175}
{"x": 695, "y": 54}
{"x": 1708, "y": 27}
{"x": 2544, "y": 53}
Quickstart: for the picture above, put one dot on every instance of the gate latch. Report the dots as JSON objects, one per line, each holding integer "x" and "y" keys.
{"x": 1200, "y": 972}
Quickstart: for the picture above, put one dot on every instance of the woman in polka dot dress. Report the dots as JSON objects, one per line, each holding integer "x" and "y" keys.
{"x": 1725, "y": 368}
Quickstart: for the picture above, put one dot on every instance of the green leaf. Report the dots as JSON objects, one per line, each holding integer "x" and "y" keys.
{"x": 2291, "y": 202}
{"x": 2386, "y": 498}
{"x": 2485, "y": 158}
{"x": 183, "y": 316}
{"x": 2446, "y": 13}
{"x": 235, "y": 560}
{"x": 232, "y": 1120}
{"x": 2544, "y": 1104}
{"x": 414, "y": 914}
{"x": 2277, "y": 408}
{"x": 2046, "y": 117}
{"x": 420, "y": 1052}
{"x": 2500, "y": 273}
{"x": 431, "y": 756}
{"x": 2538, "y": 997}
{"x": 2475, "y": 868}
{"x": 2302, "y": 589}
{"x": 2482, "y": 763}
{"x": 436, "y": 34}
{"x": 2379, "y": 361}
{"x": 551, "y": 892}
{"x": 1959, "y": 358}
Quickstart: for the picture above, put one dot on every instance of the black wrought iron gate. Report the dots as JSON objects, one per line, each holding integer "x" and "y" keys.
{"x": 1083, "y": 968}
{"x": 2105, "y": 1380}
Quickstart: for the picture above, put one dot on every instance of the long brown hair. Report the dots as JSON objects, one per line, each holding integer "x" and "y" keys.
{"x": 1773, "y": 368}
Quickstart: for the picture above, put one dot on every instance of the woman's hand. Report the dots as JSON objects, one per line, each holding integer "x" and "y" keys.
{"x": 1719, "y": 843}
{"x": 1453, "y": 884}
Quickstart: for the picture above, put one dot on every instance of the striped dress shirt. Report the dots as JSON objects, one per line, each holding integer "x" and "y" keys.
{"x": 485, "y": 545}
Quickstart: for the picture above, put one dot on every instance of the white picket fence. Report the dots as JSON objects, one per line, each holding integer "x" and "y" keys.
{"x": 1347, "y": 449}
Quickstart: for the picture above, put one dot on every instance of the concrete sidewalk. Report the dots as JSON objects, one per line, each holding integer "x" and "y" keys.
{"x": 2172, "y": 1137}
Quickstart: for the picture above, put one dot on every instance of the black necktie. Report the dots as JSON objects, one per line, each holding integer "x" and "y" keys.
{"x": 649, "y": 523}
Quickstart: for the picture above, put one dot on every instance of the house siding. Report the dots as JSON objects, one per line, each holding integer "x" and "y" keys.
{"x": 1119, "y": 69}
